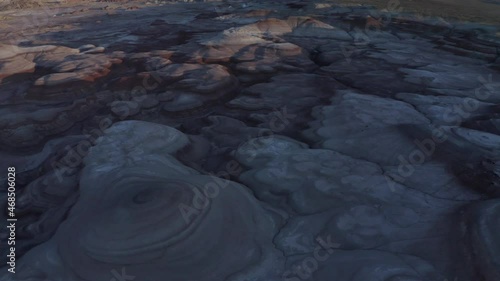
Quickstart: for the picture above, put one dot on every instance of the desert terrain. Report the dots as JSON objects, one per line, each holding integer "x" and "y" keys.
{"x": 250, "y": 140}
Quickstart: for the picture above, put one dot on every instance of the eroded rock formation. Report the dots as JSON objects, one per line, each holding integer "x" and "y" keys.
{"x": 251, "y": 141}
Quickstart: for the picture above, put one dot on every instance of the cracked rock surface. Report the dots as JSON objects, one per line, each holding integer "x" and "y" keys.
{"x": 237, "y": 141}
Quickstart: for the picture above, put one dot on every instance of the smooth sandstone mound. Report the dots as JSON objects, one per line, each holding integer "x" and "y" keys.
{"x": 17, "y": 65}
{"x": 254, "y": 33}
{"x": 129, "y": 218}
{"x": 408, "y": 138}
{"x": 442, "y": 110}
{"x": 366, "y": 127}
{"x": 84, "y": 67}
{"x": 130, "y": 143}
{"x": 290, "y": 91}
{"x": 191, "y": 85}
{"x": 312, "y": 28}
{"x": 202, "y": 79}
{"x": 263, "y": 46}
{"x": 30, "y": 125}
{"x": 266, "y": 29}
{"x": 67, "y": 65}
{"x": 14, "y": 61}
{"x": 17, "y": 60}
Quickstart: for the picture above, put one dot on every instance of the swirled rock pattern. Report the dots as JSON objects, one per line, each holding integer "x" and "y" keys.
{"x": 143, "y": 180}
{"x": 250, "y": 140}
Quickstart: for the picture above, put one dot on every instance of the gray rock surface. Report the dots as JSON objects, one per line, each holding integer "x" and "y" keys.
{"x": 244, "y": 141}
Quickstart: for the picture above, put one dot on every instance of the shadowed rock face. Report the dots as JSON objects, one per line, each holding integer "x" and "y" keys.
{"x": 141, "y": 209}
{"x": 478, "y": 228}
{"x": 250, "y": 141}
